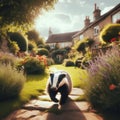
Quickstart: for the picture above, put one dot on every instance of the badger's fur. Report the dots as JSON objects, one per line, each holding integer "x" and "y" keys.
{"x": 59, "y": 81}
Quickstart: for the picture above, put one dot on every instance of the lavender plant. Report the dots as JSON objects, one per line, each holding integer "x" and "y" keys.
{"x": 103, "y": 81}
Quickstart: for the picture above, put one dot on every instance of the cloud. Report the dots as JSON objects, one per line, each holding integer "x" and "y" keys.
{"x": 77, "y": 22}
{"x": 59, "y": 22}
{"x": 82, "y": 3}
{"x": 61, "y": 1}
{"x": 69, "y": 15}
{"x": 65, "y": 1}
{"x": 63, "y": 18}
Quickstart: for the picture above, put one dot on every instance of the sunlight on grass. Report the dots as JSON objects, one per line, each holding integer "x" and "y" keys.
{"x": 34, "y": 87}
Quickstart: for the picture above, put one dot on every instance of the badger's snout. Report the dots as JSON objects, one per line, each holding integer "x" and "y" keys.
{"x": 54, "y": 88}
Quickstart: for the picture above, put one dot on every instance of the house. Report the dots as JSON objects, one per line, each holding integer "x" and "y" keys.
{"x": 61, "y": 40}
{"x": 92, "y": 29}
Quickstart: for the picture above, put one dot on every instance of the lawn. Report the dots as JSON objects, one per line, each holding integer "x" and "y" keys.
{"x": 77, "y": 74}
{"x": 35, "y": 86}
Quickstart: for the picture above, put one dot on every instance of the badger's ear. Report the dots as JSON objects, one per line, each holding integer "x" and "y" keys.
{"x": 51, "y": 75}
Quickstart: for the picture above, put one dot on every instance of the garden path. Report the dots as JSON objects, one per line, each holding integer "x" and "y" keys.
{"x": 44, "y": 109}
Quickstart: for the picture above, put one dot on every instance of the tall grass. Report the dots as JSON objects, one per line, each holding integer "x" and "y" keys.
{"x": 11, "y": 82}
{"x": 7, "y": 58}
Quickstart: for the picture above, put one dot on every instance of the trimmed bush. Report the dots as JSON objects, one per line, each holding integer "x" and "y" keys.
{"x": 43, "y": 51}
{"x": 33, "y": 65}
{"x": 110, "y": 33}
{"x": 103, "y": 81}
{"x": 19, "y": 39}
{"x": 13, "y": 47}
{"x": 11, "y": 82}
{"x": 58, "y": 55}
{"x": 32, "y": 46}
{"x": 69, "y": 63}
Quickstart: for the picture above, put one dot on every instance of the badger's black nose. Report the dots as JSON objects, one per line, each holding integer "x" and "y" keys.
{"x": 53, "y": 88}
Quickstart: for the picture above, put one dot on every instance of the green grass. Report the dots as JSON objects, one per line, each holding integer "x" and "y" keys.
{"x": 77, "y": 75}
{"x": 35, "y": 86}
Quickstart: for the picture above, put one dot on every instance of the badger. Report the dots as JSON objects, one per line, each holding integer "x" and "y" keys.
{"x": 59, "y": 82}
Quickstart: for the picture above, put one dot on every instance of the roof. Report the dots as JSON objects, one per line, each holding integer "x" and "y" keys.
{"x": 98, "y": 20}
{"x": 63, "y": 37}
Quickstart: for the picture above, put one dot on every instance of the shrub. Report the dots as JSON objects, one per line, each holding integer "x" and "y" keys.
{"x": 6, "y": 58}
{"x": 43, "y": 51}
{"x": 89, "y": 42}
{"x": 69, "y": 63}
{"x": 58, "y": 55}
{"x": 103, "y": 84}
{"x": 110, "y": 33}
{"x": 33, "y": 65}
{"x": 50, "y": 61}
{"x": 78, "y": 62}
{"x": 81, "y": 46}
{"x": 31, "y": 46}
{"x": 13, "y": 47}
{"x": 19, "y": 39}
{"x": 11, "y": 82}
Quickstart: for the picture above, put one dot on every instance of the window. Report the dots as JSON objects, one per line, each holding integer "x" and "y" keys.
{"x": 81, "y": 37}
{"x": 96, "y": 30}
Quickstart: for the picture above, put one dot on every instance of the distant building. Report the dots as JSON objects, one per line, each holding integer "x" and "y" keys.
{"x": 62, "y": 40}
{"x": 92, "y": 29}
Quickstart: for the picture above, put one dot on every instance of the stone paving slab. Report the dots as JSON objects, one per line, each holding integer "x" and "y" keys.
{"x": 46, "y": 105}
{"x": 77, "y": 92}
{"x": 70, "y": 111}
{"x": 48, "y": 110}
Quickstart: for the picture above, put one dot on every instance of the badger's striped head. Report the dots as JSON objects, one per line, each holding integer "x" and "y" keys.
{"x": 57, "y": 79}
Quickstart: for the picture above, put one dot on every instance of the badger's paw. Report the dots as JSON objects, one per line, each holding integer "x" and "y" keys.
{"x": 55, "y": 100}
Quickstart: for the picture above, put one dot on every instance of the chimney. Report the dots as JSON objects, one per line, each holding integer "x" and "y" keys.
{"x": 87, "y": 21}
{"x": 95, "y": 6}
{"x": 50, "y": 31}
{"x": 96, "y": 12}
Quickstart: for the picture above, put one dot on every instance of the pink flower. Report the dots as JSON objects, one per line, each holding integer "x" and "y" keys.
{"x": 112, "y": 87}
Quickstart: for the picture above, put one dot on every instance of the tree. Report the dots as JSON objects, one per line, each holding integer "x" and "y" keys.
{"x": 110, "y": 33}
{"x": 33, "y": 35}
{"x": 22, "y": 11}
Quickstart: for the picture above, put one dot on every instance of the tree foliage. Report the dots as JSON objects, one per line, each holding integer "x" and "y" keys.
{"x": 22, "y": 11}
{"x": 110, "y": 32}
{"x": 33, "y": 35}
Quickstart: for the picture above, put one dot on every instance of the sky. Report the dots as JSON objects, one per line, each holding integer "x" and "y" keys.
{"x": 69, "y": 15}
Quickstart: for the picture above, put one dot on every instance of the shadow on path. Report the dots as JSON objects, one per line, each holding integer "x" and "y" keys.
{"x": 68, "y": 111}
